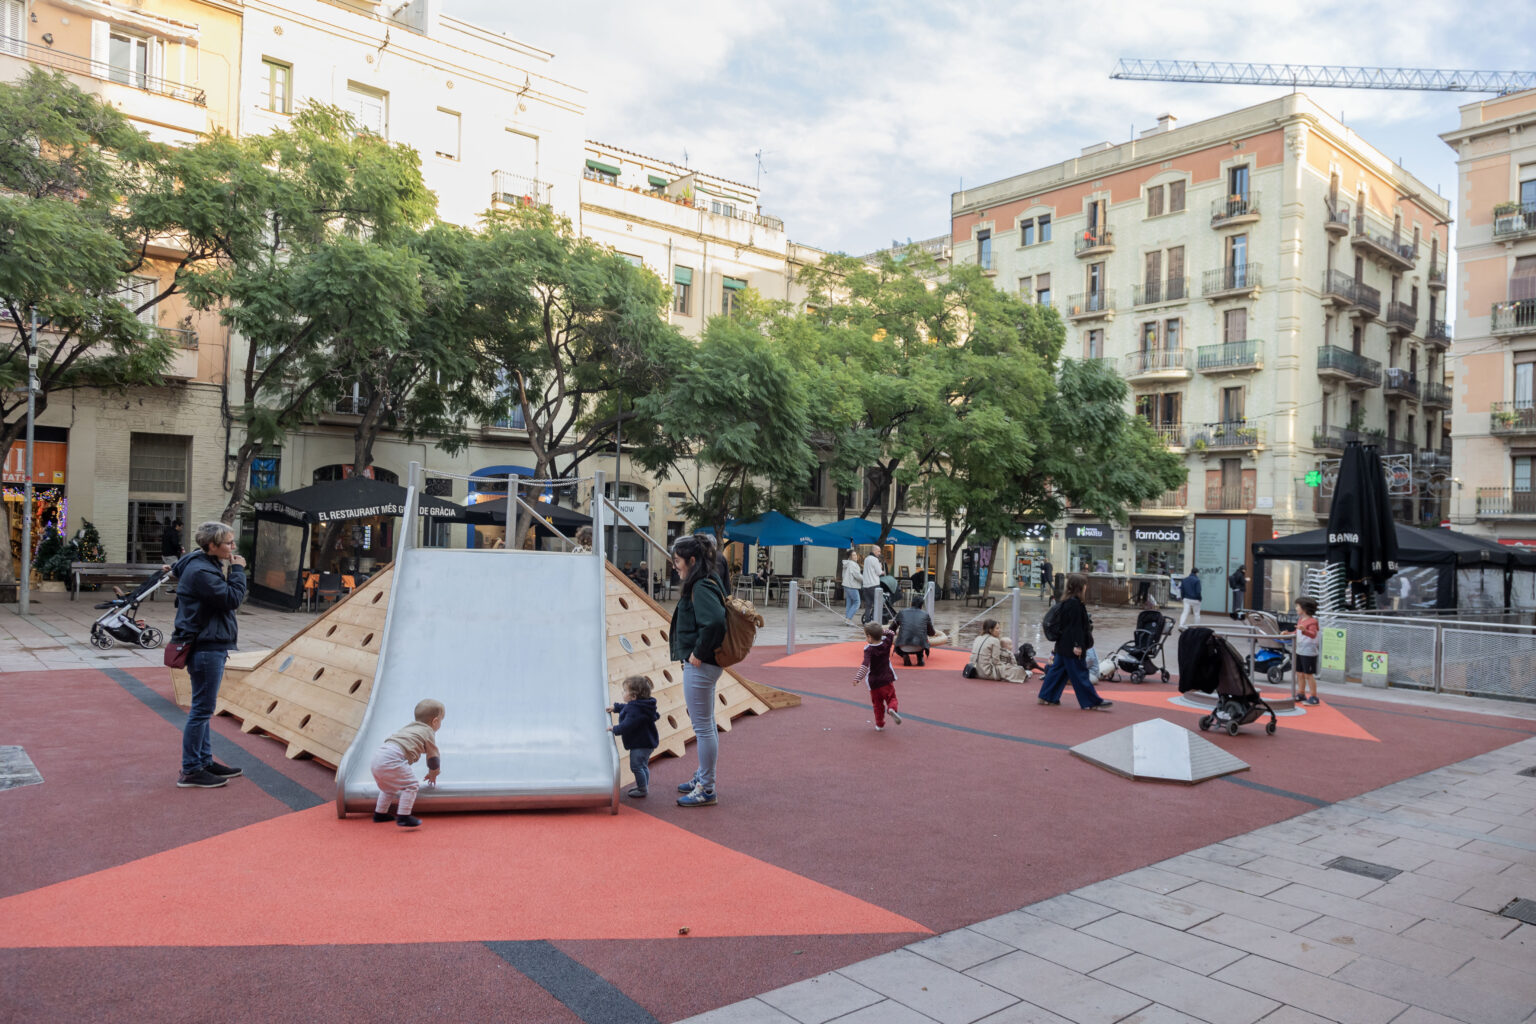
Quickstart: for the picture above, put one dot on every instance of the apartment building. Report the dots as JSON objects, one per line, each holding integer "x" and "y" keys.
{"x": 1495, "y": 336}
{"x": 1269, "y": 285}
{"x": 130, "y": 463}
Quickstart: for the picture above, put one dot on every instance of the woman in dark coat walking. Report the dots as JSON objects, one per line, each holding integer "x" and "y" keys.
{"x": 1072, "y": 643}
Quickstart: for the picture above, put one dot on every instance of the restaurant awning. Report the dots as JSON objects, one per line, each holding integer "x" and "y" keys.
{"x": 863, "y": 531}
{"x": 775, "y": 529}
{"x": 356, "y": 497}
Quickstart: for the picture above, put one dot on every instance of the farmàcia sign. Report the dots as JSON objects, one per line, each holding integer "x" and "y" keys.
{"x": 1171, "y": 534}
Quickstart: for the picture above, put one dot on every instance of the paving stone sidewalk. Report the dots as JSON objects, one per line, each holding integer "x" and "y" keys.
{"x": 1261, "y": 927}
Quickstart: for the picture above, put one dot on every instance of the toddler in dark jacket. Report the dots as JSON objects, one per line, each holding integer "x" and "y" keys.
{"x": 637, "y": 729}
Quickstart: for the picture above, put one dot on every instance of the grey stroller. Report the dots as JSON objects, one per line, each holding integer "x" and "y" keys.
{"x": 1208, "y": 663}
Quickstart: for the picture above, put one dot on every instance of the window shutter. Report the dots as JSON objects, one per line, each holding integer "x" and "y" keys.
{"x": 13, "y": 25}
{"x": 1176, "y": 262}
{"x": 682, "y": 275}
{"x": 1154, "y": 200}
{"x": 1042, "y": 282}
{"x": 1154, "y": 272}
{"x": 1175, "y": 196}
{"x": 101, "y": 42}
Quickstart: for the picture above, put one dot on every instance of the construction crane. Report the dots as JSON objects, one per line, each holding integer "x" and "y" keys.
{"x": 1331, "y": 76}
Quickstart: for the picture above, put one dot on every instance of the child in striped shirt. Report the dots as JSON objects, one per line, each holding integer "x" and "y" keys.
{"x": 877, "y": 672}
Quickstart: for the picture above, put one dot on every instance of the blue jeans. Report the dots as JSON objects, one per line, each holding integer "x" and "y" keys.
{"x": 850, "y": 601}
{"x": 1074, "y": 670}
{"x": 640, "y": 766}
{"x": 699, "y": 695}
{"x": 207, "y": 671}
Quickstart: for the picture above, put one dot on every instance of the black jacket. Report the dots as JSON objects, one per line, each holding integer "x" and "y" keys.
{"x": 698, "y": 622}
{"x": 637, "y": 724}
{"x": 170, "y": 542}
{"x": 913, "y": 628}
{"x": 1076, "y": 628}
{"x": 206, "y": 602}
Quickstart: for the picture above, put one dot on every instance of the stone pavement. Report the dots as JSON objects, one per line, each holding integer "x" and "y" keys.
{"x": 1269, "y": 926}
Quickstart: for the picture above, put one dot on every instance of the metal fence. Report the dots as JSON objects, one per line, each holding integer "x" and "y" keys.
{"x": 1489, "y": 663}
{"x": 1476, "y": 659}
{"x": 1410, "y": 650}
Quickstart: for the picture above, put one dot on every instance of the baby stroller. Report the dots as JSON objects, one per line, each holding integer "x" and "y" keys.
{"x": 1273, "y": 659}
{"x": 1142, "y": 655}
{"x": 1210, "y": 664}
{"x": 119, "y": 622}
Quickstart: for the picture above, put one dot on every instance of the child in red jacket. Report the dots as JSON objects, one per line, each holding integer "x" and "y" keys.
{"x": 877, "y": 672}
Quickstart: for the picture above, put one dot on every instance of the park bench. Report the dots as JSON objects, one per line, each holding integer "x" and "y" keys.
{"x": 110, "y": 572}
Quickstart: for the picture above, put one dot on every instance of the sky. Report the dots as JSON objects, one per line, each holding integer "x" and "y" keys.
{"x": 869, "y": 116}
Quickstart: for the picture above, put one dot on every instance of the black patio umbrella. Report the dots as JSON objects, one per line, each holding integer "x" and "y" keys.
{"x": 357, "y": 497}
{"x": 1361, "y": 534}
{"x": 1385, "y": 556}
{"x": 563, "y": 519}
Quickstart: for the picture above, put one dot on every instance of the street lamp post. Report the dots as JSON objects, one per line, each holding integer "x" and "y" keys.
{"x": 26, "y": 487}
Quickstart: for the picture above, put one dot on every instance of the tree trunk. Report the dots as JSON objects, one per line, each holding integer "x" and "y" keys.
{"x": 243, "y": 461}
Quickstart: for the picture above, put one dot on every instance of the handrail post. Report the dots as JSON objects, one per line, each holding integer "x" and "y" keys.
{"x": 794, "y": 601}
{"x": 597, "y": 517}
{"x": 928, "y": 597}
{"x": 413, "y": 525}
{"x": 1015, "y": 617}
{"x": 879, "y": 616}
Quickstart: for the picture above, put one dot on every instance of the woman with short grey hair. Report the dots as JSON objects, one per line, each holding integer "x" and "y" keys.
{"x": 210, "y": 586}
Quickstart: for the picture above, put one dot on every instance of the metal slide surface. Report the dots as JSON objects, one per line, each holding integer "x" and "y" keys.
{"x": 514, "y": 644}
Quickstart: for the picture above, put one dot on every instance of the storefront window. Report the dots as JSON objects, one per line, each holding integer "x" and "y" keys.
{"x": 1158, "y": 550}
{"x": 1090, "y": 547}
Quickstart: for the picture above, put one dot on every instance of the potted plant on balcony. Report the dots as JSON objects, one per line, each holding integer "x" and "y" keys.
{"x": 1509, "y": 207}
{"x": 1506, "y": 418}
{"x": 1200, "y": 444}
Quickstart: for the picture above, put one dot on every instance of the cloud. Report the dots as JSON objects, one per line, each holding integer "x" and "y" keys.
{"x": 871, "y": 114}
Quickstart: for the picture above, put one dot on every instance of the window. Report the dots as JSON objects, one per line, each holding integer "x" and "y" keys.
{"x": 448, "y": 124}
{"x": 1035, "y": 230}
{"x": 1149, "y": 336}
{"x": 1175, "y": 288}
{"x": 682, "y": 288}
{"x": 278, "y": 85}
{"x": 1043, "y": 228}
{"x": 266, "y": 469}
{"x": 146, "y": 521}
{"x": 814, "y": 493}
{"x": 984, "y": 249}
{"x": 1233, "y": 405}
{"x": 1173, "y": 334}
{"x": 631, "y": 259}
{"x": 157, "y": 465}
{"x": 1025, "y": 292}
{"x": 1237, "y": 256}
{"x": 522, "y": 154}
{"x": 1027, "y": 233}
{"x": 127, "y": 59}
{"x": 1043, "y": 289}
{"x": 723, "y": 209}
{"x": 730, "y": 294}
{"x": 1413, "y": 298}
{"x": 1523, "y": 474}
{"x": 369, "y": 107}
{"x": 1357, "y": 338}
{"x": 13, "y": 27}
{"x": 1175, "y": 196}
{"x": 1155, "y": 200}
{"x": 1153, "y": 279}
{"x": 1522, "y": 282}
{"x": 1096, "y": 279}
{"x": 1523, "y": 384}
{"x": 1161, "y": 410}
{"x": 136, "y": 291}
{"x": 1528, "y": 192}
{"x": 1234, "y": 325}
{"x": 1237, "y": 181}
{"x": 1093, "y": 345}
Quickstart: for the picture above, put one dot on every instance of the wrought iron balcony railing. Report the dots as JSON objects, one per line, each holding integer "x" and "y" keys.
{"x": 1234, "y": 207}
{"x": 1438, "y": 331}
{"x": 1515, "y": 317}
{"x": 1367, "y": 299}
{"x": 47, "y": 56}
{"x": 1236, "y": 277}
{"x": 1390, "y": 246}
{"x": 1337, "y": 217}
{"x": 1091, "y": 303}
{"x": 1156, "y": 360}
{"x": 1094, "y": 240}
{"x": 1437, "y": 395}
{"x": 1505, "y": 501}
{"x": 1512, "y": 220}
{"x": 519, "y": 189}
{"x": 1339, "y": 287}
{"x": 1226, "y": 434}
{"x": 1332, "y": 359}
{"x": 1230, "y": 356}
{"x": 1400, "y": 381}
{"x": 1174, "y": 499}
{"x": 1436, "y": 275}
{"x": 1402, "y": 316}
{"x": 1172, "y": 289}
{"x": 1506, "y": 418}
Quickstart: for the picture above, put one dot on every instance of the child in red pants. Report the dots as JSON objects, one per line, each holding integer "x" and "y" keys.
{"x": 877, "y": 672}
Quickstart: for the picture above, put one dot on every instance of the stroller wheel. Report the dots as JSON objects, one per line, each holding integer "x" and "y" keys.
{"x": 1232, "y": 728}
{"x": 102, "y": 641}
{"x": 1270, "y": 728}
{"x": 1137, "y": 677}
{"x": 1205, "y": 723}
{"x": 150, "y": 638}
{"x": 1166, "y": 676}
{"x": 1276, "y": 675}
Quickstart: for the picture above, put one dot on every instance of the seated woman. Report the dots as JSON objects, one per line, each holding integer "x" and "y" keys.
{"x": 913, "y": 627}
{"x": 990, "y": 656}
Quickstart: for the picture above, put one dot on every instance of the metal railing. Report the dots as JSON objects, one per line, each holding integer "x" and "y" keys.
{"x": 1172, "y": 289}
{"x": 1088, "y": 303}
{"x": 1512, "y": 417}
{"x": 1229, "y": 498}
{"x": 1227, "y": 434}
{"x": 1174, "y": 499}
{"x": 1505, "y": 501}
{"x": 1517, "y": 316}
{"x": 1235, "y": 277}
{"x": 519, "y": 189}
{"x": 1172, "y": 434}
{"x": 1337, "y": 438}
{"x": 1234, "y": 206}
{"x": 1437, "y": 394}
{"x": 1488, "y": 658}
{"x": 1436, "y": 275}
{"x": 717, "y": 209}
{"x": 1337, "y": 215}
{"x": 1511, "y": 220}
{"x": 1438, "y": 330}
{"x": 1156, "y": 360}
{"x": 1094, "y": 238}
{"x": 1400, "y": 380}
{"x": 1400, "y": 314}
{"x": 181, "y": 337}
{"x": 47, "y": 56}
{"x": 1367, "y": 298}
{"x": 1231, "y": 355}
{"x": 1362, "y": 368}
{"x": 1392, "y": 246}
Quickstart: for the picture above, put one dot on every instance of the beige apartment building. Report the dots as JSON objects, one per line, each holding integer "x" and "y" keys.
{"x": 130, "y": 463}
{"x": 1495, "y": 343}
{"x": 1269, "y": 285}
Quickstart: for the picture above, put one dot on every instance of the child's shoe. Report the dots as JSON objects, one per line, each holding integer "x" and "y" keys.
{"x": 697, "y": 797}
{"x": 407, "y": 821}
{"x": 385, "y": 816}
{"x": 893, "y": 715}
{"x": 638, "y": 793}
{"x": 879, "y": 728}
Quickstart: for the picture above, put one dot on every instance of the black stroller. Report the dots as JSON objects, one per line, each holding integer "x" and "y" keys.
{"x": 120, "y": 622}
{"x": 1142, "y": 655}
{"x": 1208, "y": 663}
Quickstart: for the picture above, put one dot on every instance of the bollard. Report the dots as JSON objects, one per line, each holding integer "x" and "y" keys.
{"x": 1015, "y": 616}
{"x": 928, "y": 597}
{"x": 789, "y": 629}
{"x": 879, "y": 605}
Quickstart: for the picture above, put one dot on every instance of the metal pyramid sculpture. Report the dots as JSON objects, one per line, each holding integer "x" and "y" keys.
{"x": 1159, "y": 750}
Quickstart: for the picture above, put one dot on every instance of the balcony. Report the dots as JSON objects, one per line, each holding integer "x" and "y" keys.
{"x": 1505, "y": 501}
{"x": 1239, "y": 280}
{"x": 1227, "y": 435}
{"x": 1095, "y": 242}
{"x": 1176, "y": 500}
{"x": 1229, "y": 498}
{"x": 1174, "y": 289}
{"x": 1157, "y": 364}
{"x": 1514, "y": 317}
{"x": 1337, "y": 438}
{"x": 1336, "y": 220}
{"x": 1512, "y": 419}
{"x": 1338, "y": 288}
{"x": 1438, "y": 333}
{"x": 1230, "y": 357}
{"x": 1367, "y": 301}
{"x": 1436, "y": 276}
{"x": 47, "y": 56}
{"x": 1436, "y": 396}
{"x": 1171, "y": 434}
{"x": 1234, "y": 210}
{"x": 510, "y": 189}
{"x": 1356, "y": 371}
{"x": 1091, "y": 305}
{"x": 1514, "y": 220}
{"x": 1399, "y": 383}
{"x": 1401, "y": 318}
{"x": 1390, "y": 249}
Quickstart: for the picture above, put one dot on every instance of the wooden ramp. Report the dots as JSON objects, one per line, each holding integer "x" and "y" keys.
{"x": 311, "y": 693}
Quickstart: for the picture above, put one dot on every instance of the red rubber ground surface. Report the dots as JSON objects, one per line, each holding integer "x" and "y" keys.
{"x": 831, "y": 843}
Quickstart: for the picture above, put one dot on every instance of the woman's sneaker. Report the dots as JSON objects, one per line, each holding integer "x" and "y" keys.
{"x": 697, "y": 797}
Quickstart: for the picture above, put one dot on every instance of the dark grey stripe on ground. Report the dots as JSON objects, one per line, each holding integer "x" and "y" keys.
{"x": 273, "y": 782}
{"x": 1378, "y": 709}
{"x": 1312, "y": 800}
{"x": 585, "y": 993}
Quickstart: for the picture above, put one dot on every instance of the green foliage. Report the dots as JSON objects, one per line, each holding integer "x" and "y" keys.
{"x": 51, "y": 560}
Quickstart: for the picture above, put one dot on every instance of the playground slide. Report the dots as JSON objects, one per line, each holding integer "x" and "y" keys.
{"x": 514, "y": 643}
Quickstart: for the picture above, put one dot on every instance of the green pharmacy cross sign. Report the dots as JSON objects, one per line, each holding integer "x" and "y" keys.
{"x": 1314, "y": 478}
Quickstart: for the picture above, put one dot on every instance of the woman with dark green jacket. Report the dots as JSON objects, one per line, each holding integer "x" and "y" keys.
{"x": 698, "y": 629}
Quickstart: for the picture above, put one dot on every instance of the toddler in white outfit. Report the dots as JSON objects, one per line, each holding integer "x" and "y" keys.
{"x": 392, "y": 762}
